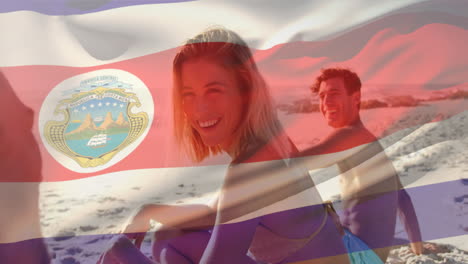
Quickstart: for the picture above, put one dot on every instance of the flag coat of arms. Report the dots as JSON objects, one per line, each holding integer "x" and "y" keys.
{"x": 87, "y": 122}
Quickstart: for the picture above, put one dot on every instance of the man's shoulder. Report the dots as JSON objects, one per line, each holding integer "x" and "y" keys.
{"x": 359, "y": 134}
{"x": 351, "y": 136}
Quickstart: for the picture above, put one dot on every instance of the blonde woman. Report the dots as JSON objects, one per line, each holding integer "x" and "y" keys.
{"x": 265, "y": 211}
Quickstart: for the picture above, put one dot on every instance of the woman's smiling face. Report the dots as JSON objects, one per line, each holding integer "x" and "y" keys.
{"x": 212, "y": 101}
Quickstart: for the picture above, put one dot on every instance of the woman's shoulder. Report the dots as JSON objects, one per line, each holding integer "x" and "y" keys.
{"x": 259, "y": 150}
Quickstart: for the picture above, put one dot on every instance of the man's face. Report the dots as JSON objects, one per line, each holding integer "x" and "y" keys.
{"x": 338, "y": 108}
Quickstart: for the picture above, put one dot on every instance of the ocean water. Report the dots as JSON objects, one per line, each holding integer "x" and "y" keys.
{"x": 73, "y": 126}
{"x": 80, "y": 147}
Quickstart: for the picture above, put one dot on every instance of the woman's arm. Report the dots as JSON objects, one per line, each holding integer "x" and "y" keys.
{"x": 170, "y": 217}
{"x": 176, "y": 216}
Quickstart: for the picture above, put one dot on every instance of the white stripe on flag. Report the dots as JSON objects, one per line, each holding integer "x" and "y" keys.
{"x": 101, "y": 205}
{"x": 125, "y": 33}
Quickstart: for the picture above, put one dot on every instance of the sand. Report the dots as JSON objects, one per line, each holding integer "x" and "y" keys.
{"x": 79, "y": 215}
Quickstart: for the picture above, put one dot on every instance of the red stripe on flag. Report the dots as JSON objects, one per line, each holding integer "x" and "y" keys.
{"x": 389, "y": 64}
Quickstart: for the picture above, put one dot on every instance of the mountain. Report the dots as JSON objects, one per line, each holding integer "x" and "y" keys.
{"x": 110, "y": 123}
{"x": 86, "y": 126}
{"x": 121, "y": 121}
{"x": 87, "y": 129}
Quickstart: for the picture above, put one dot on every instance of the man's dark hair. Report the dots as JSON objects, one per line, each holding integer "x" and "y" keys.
{"x": 351, "y": 79}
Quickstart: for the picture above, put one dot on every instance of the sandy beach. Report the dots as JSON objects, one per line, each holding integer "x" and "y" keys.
{"x": 78, "y": 216}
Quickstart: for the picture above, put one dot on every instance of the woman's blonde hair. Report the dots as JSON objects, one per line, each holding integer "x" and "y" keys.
{"x": 259, "y": 123}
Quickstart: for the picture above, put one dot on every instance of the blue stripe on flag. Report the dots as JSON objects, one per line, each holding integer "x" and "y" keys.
{"x": 438, "y": 208}
{"x": 74, "y": 7}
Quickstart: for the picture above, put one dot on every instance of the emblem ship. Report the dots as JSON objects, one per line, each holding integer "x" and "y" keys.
{"x": 97, "y": 141}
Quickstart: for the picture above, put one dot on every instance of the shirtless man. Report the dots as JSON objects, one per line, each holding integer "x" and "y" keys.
{"x": 370, "y": 187}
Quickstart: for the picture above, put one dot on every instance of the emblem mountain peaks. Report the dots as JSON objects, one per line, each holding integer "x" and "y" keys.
{"x": 121, "y": 120}
{"x": 110, "y": 123}
{"x": 88, "y": 127}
